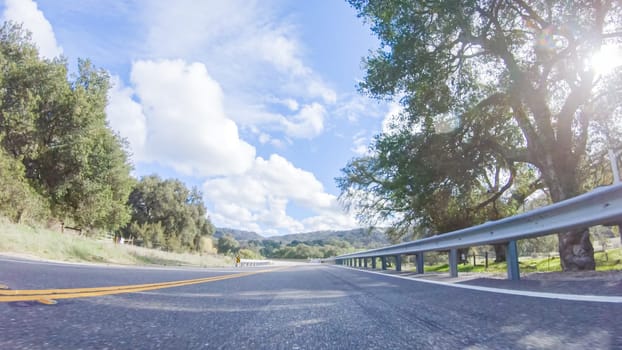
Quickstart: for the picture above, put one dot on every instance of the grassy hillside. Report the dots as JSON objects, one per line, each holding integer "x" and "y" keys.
{"x": 47, "y": 244}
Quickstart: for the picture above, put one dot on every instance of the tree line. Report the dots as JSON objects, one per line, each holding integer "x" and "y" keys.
{"x": 59, "y": 159}
{"x": 275, "y": 249}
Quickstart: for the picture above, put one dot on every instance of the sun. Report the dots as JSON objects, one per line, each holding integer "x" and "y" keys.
{"x": 606, "y": 60}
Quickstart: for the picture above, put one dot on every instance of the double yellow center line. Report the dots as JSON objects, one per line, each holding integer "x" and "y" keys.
{"x": 48, "y": 296}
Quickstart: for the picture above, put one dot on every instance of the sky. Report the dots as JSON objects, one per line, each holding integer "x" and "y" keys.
{"x": 253, "y": 102}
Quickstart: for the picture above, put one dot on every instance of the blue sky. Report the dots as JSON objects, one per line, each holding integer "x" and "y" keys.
{"x": 254, "y": 102}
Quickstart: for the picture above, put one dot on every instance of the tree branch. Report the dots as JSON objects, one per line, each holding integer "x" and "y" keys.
{"x": 498, "y": 194}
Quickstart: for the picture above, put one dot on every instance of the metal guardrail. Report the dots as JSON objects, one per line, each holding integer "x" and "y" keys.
{"x": 601, "y": 206}
{"x": 251, "y": 262}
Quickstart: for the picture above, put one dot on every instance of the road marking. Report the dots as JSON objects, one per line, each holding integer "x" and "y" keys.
{"x": 70, "y": 293}
{"x": 526, "y": 293}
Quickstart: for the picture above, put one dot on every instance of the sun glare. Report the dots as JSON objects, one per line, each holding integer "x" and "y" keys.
{"x": 606, "y": 60}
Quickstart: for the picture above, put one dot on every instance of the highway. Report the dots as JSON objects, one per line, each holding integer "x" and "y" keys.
{"x": 298, "y": 307}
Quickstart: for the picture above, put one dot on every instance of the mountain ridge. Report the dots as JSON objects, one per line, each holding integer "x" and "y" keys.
{"x": 358, "y": 237}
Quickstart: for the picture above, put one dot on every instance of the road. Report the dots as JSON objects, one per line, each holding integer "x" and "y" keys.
{"x": 298, "y": 307}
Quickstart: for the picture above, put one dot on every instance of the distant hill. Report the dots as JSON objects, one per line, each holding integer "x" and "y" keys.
{"x": 359, "y": 238}
{"x": 239, "y": 235}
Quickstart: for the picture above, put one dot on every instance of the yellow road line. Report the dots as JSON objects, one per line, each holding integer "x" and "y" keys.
{"x": 83, "y": 290}
{"x": 30, "y": 295}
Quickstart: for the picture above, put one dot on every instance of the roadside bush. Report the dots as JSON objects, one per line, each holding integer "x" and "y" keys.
{"x": 248, "y": 254}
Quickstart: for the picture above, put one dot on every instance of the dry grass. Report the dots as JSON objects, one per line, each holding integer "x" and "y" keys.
{"x": 47, "y": 244}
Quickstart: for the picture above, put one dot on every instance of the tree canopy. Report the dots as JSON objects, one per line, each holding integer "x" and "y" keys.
{"x": 56, "y": 127}
{"x": 168, "y": 215}
{"x": 490, "y": 89}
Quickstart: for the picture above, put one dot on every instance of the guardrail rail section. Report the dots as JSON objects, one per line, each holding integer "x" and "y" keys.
{"x": 601, "y": 206}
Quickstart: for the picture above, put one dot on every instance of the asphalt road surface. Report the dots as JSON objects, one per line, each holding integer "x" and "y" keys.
{"x": 298, "y": 307}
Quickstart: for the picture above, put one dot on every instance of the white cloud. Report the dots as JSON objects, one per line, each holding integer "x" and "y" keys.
{"x": 259, "y": 199}
{"x": 249, "y": 49}
{"x": 360, "y": 144}
{"x": 308, "y": 123}
{"x": 27, "y": 12}
{"x": 354, "y": 107}
{"x": 126, "y": 116}
{"x": 291, "y": 104}
{"x": 391, "y": 119}
{"x": 264, "y": 138}
{"x": 178, "y": 120}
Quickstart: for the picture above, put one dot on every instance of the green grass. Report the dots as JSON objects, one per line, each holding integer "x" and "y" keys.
{"x": 47, "y": 244}
{"x": 611, "y": 260}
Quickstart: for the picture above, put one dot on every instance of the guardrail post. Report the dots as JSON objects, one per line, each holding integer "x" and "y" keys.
{"x": 365, "y": 262}
{"x": 373, "y": 262}
{"x": 453, "y": 262}
{"x": 398, "y": 263}
{"x": 512, "y": 260}
{"x": 420, "y": 263}
{"x": 383, "y": 260}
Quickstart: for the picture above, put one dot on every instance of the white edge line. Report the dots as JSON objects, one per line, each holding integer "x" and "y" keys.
{"x": 559, "y": 296}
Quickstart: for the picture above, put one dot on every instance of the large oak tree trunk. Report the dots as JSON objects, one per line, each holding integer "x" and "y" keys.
{"x": 576, "y": 251}
{"x": 575, "y": 248}
{"x": 499, "y": 252}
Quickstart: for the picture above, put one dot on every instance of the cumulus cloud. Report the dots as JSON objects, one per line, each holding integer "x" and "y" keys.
{"x": 126, "y": 116}
{"x": 250, "y": 50}
{"x": 178, "y": 119}
{"x": 308, "y": 123}
{"x": 27, "y": 12}
{"x": 258, "y": 199}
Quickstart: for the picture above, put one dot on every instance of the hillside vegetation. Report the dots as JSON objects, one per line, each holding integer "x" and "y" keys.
{"x": 36, "y": 242}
